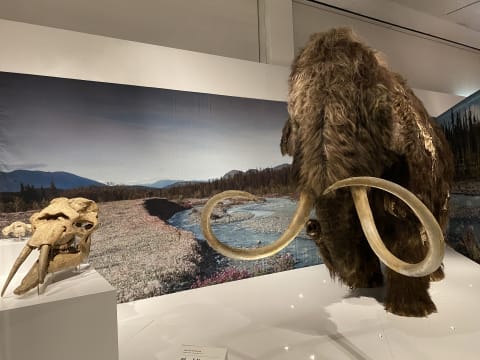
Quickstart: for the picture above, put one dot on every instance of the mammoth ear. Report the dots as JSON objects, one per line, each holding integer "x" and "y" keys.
{"x": 289, "y": 132}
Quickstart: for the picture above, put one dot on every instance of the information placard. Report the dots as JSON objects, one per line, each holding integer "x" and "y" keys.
{"x": 195, "y": 352}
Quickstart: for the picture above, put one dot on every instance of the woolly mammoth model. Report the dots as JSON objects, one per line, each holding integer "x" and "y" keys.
{"x": 62, "y": 233}
{"x": 355, "y": 125}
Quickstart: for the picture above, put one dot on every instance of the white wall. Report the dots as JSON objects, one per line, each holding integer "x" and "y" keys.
{"x": 220, "y": 27}
{"x": 39, "y": 50}
{"x": 437, "y": 103}
{"x": 60, "y": 53}
{"x": 230, "y": 28}
{"x": 396, "y": 12}
{"x": 427, "y": 64}
{"x": 276, "y": 31}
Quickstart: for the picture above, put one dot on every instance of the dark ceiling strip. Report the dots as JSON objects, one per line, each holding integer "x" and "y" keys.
{"x": 394, "y": 25}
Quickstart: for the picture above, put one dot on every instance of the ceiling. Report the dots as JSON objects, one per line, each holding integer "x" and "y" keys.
{"x": 461, "y": 12}
{"x": 193, "y": 25}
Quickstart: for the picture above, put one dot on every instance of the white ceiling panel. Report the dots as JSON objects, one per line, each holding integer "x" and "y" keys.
{"x": 435, "y": 7}
{"x": 468, "y": 16}
{"x": 462, "y": 12}
{"x": 220, "y": 27}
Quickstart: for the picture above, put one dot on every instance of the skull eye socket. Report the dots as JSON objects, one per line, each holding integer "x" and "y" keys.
{"x": 85, "y": 225}
{"x": 53, "y": 216}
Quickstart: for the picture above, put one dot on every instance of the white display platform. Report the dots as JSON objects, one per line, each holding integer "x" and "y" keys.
{"x": 303, "y": 315}
{"x": 9, "y": 250}
{"x": 73, "y": 318}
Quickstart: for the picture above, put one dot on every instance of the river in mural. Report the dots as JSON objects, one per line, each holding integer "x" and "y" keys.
{"x": 253, "y": 224}
{"x": 256, "y": 224}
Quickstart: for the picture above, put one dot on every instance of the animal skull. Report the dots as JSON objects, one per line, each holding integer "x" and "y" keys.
{"x": 62, "y": 233}
{"x": 18, "y": 229}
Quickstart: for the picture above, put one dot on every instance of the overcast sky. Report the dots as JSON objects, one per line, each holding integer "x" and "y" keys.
{"x": 133, "y": 135}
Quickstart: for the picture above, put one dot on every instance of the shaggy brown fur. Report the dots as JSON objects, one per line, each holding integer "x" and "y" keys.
{"x": 351, "y": 116}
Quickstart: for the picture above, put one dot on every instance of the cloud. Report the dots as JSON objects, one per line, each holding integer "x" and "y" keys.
{"x": 125, "y": 134}
{"x": 25, "y": 166}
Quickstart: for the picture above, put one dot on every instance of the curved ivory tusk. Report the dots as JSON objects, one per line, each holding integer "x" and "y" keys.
{"x": 20, "y": 259}
{"x": 297, "y": 223}
{"x": 436, "y": 248}
{"x": 43, "y": 260}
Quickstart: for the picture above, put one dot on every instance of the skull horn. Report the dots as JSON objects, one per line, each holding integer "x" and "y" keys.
{"x": 61, "y": 261}
{"x": 436, "y": 248}
{"x": 42, "y": 233}
{"x": 297, "y": 223}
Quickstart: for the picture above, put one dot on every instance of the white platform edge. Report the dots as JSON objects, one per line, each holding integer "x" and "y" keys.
{"x": 302, "y": 314}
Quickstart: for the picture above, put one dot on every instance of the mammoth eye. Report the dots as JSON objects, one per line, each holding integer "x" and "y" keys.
{"x": 313, "y": 228}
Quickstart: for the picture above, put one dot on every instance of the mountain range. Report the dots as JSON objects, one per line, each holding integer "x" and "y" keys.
{"x": 232, "y": 173}
{"x": 11, "y": 181}
{"x": 162, "y": 183}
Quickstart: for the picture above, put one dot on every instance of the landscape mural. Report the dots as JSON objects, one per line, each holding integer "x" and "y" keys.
{"x": 150, "y": 158}
{"x": 461, "y": 124}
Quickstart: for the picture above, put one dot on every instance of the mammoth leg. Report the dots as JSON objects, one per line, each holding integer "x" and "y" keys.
{"x": 437, "y": 275}
{"x": 342, "y": 246}
{"x": 406, "y": 296}
{"x": 358, "y": 267}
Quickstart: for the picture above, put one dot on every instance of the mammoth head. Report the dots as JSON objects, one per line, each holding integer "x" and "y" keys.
{"x": 340, "y": 110}
{"x": 350, "y": 119}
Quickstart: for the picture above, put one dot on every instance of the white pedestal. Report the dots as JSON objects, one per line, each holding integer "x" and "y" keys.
{"x": 74, "y": 317}
{"x": 9, "y": 250}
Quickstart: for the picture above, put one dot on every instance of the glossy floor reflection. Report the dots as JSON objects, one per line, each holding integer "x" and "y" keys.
{"x": 303, "y": 314}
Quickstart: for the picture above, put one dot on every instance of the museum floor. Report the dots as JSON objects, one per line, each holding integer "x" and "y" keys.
{"x": 302, "y": 314}
{"x": 297, "y": 314}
